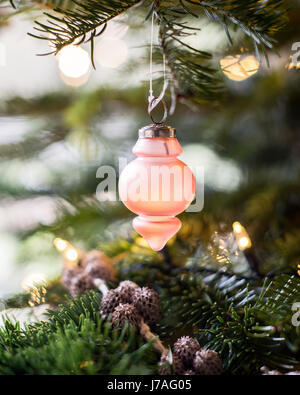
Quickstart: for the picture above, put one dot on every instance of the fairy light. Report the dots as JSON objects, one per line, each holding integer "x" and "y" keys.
{"x": 75, "y": 82}
{"x": 237, "y": 227}
{"x": 298, "y": 270}
{"x": 73, "y": 61}
{"x": 242, "y": 237}
{"x": 239, "y": 67}
{"x": 244, "y": 242}
{"x": 74, "y": 64}
{"x": 111, "y": 52}
{"x": 32, "y": 280}
{"x": 70, "y": 253}
{"x": 292, "y": 66}
{"x": 60, "y": 244}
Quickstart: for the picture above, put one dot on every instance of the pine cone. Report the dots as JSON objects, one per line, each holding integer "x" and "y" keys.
{"x": 110, "y": 301}
{"x": 80, "y": 283}
{"x": 125, "y": 312}
{"x": 127, "y": 288}
{"x": 208, "y": 363}
{"x": 166, "y": 368}
{"x": 68, "y": 274}
{"x": 147, "y": 302}
{"x": 190, "y": 373}
{"x": 185, "y": 348}
{"x": 98, "y": 265}
{"x": 266, "y": 372}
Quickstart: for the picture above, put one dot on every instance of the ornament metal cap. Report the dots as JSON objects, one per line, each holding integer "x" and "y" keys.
{"x": 157, "y": 130}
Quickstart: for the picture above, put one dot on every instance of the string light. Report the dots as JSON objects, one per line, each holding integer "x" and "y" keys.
{"x": 60, "y": 244}
{"x": 298, "y": 270}
{"x": 239, "y": 67}
{"x": 32, "y": 280}
{"x": 244, "y": 242}
{"x": 111, "y": 52}
{"x": 292, "y": 66}
{"x": 74, "y": 64}
{"x": 73, "y": 61}
{"x": 117, "y": 27}
{"x": 70, "y": 253}
{"x": 241, "y": 235}
{"x": 237, "y": 227}
{"x": 75, "y": 82}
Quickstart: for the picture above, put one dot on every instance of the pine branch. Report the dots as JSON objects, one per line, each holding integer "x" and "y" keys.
{"x": 230, "y": 317}
{"x": 23, "y": 5}
{"x": 259, "y": 20}
{"x": 86, "y": 21}
{"x": 33, "y": 143}
{"x": 278, "y": 298}
{"x": 76, "y": 340}
{"x": 190, "y": 69}
{"x": 17, "y": 9}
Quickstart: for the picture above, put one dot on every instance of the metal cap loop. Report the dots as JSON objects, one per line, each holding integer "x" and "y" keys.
{"x": 153, "y": 104}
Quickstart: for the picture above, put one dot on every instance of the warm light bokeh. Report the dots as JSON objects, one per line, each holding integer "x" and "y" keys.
{"x": 241, "y": 235}
{"x": 239, "y": 67}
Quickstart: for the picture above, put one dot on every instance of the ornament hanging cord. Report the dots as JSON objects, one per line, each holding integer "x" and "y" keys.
{"x": 154, "y": 101}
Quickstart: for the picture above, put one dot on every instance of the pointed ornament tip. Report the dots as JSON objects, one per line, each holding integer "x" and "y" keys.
{"x": 157, "y": 230}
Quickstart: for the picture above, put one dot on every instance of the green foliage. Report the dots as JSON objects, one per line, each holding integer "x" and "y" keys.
{"x": 55, "y": 294}
{"x": 74, "y": 341}
{"x": 259, "y": 20}
{"x": 246, "y": 319}
{"x": 227, "y": 314}
{"x": 190, "y": 69}
{"x": 85, "y": 21}
{"x": 247, "y": 323}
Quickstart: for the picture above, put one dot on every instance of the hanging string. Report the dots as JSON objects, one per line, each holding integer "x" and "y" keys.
{"x": 154, "y": 101}
{"x": 151, "y": 97}
{"x": 173, "y": 100}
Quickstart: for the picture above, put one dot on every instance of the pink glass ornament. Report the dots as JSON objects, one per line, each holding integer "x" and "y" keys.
{"x": 157, "y": 185}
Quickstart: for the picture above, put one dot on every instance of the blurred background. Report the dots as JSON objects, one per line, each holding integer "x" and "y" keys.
{"x": 60, "y": 120}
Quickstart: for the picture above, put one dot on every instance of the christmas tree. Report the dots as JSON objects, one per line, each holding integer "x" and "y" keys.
{"x": 223, "y": 295}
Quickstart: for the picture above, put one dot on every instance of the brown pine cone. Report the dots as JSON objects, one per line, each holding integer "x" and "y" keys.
{"x": 68, "y": 274}
{"x": 185, "y": 348}
{"x": 98, "y": 265}
{"x": 81, "y": 283}
{"x": 208, "y": 363}
{"x": 127, "y": 288}
{"x": 147, "y": 302}
{"x": 125, "y": 312}
{"x": 166, "y": 368}
{"x": 266, "y": 372}
{"x": 190, "y": 373}
{"x": 110, "y": 301}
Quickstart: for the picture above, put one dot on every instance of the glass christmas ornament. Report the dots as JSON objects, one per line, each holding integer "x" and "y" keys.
{"x": 157, "y": 185}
